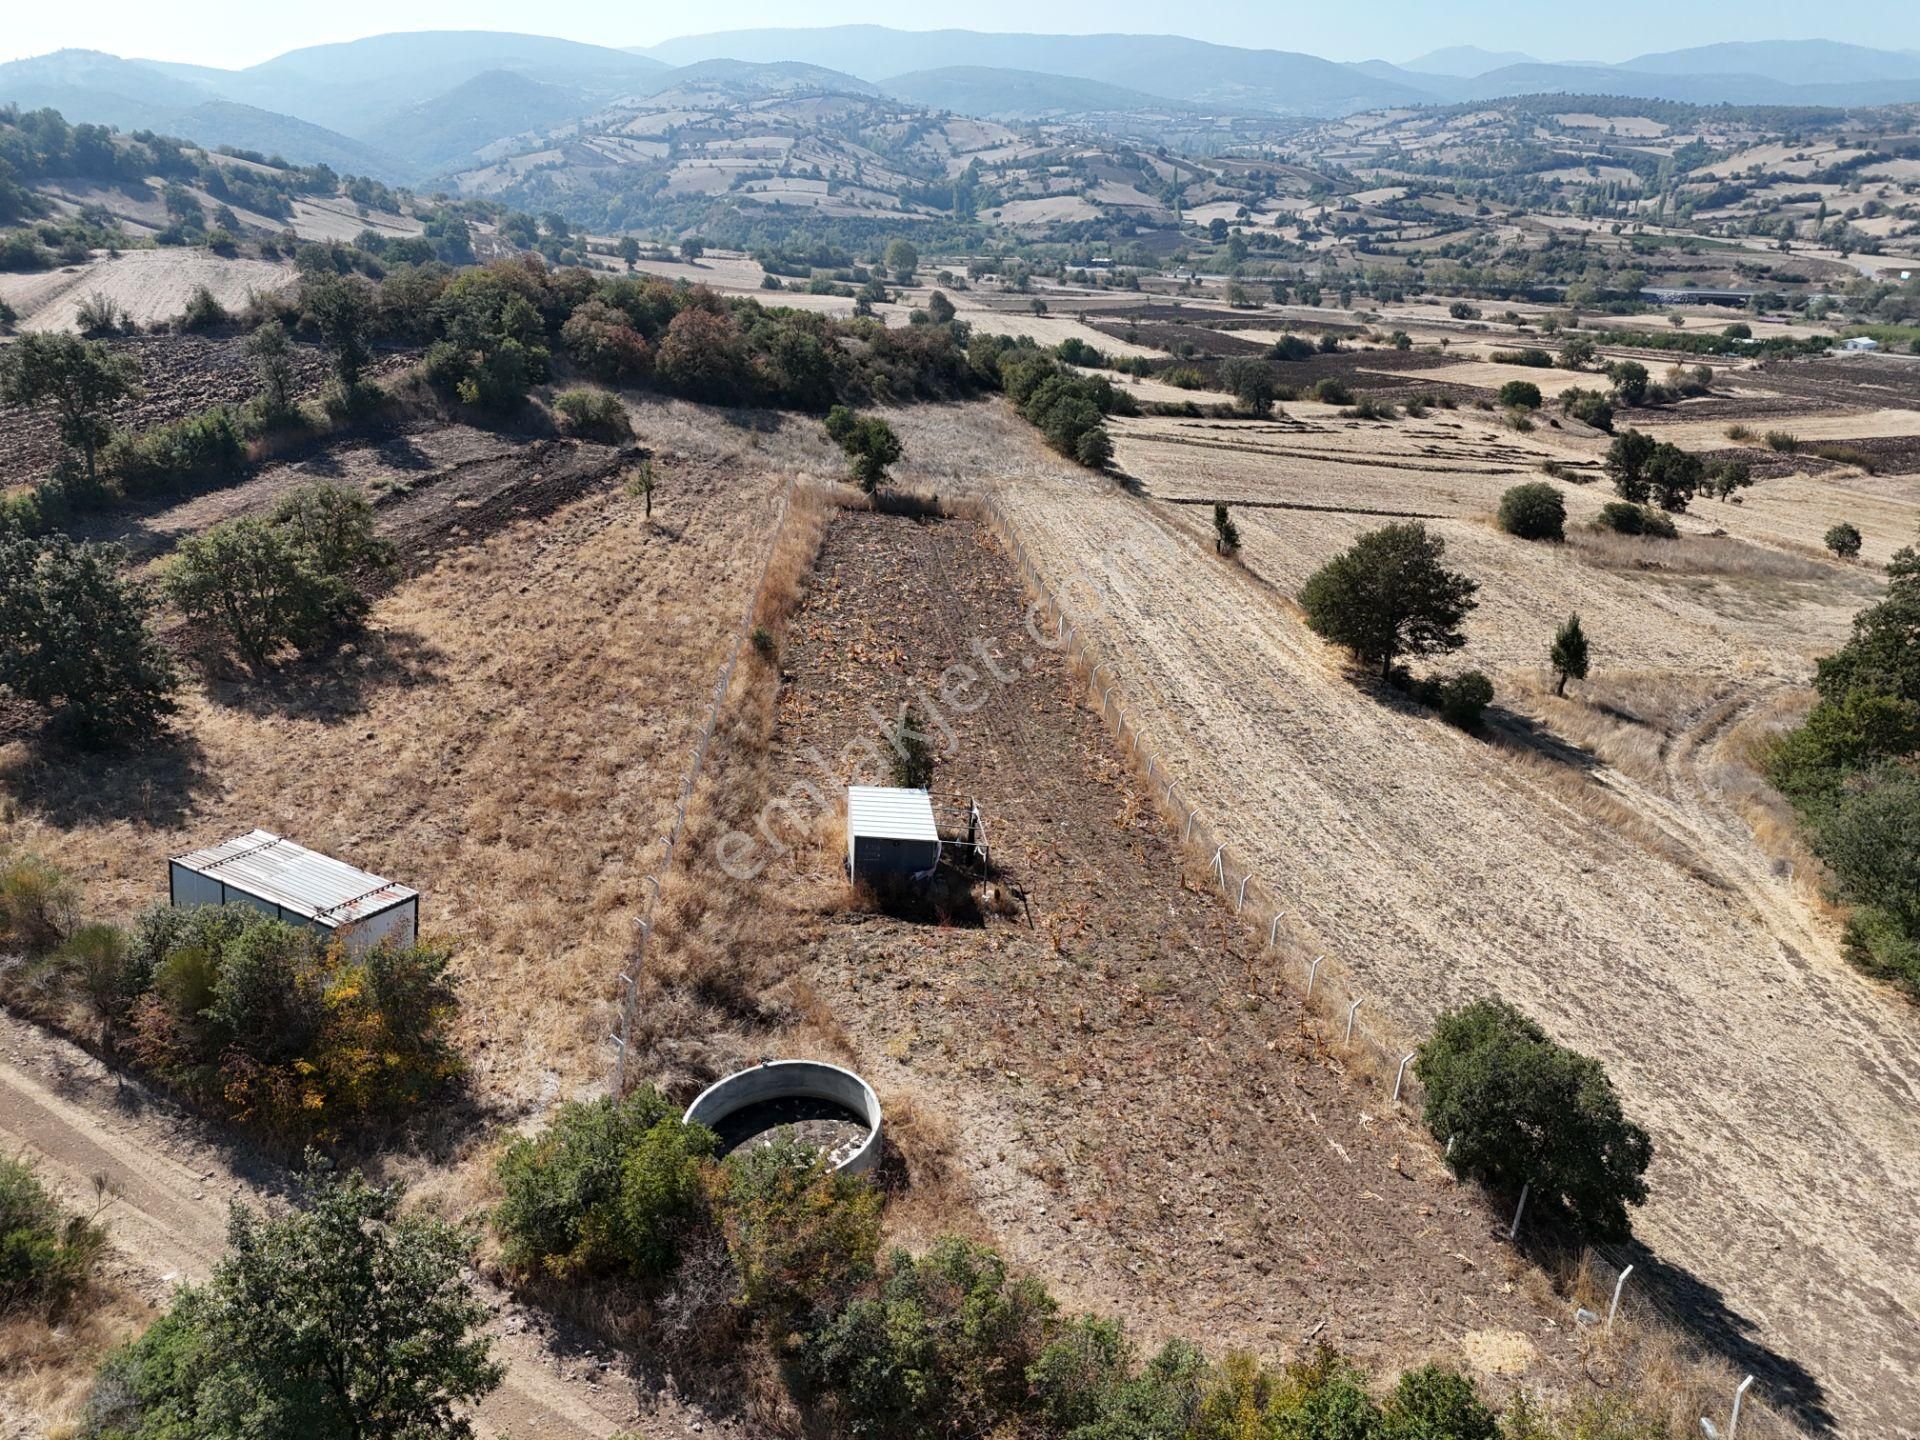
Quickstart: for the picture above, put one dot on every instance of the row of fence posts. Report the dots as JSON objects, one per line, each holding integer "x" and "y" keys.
{"x": 637, "y": 959}
{"x": 1082, "y": 652}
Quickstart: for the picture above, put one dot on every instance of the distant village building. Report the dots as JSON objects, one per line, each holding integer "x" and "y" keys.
{"x": 1861, "y": 343}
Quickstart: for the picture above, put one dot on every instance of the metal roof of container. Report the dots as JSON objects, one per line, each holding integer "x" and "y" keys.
{"x": 295, "y": 878}
{"x": 891, "y": 814}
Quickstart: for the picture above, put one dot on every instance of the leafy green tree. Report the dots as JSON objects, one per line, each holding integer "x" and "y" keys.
{"x": 1630, "y": 380}
{"x": 79, "y": 380}
{"x": 75, "y": 635}
{"x": 267, "y": 347}
{"x": 1589, "y": 407}
{"x": 1569, "y": 654}
{"x": 1727, "y": 478}
{"x": 1627, "y": 460}
{"x": 1226, "y": 534}
{"x": 1534, "y": 511}
{"x": 1520, "y": 1110}
{"x": 692, "y": 248}
{"x": 343, "y": 1318}
{"x": 1251, "y": 383}
{"x": 288, "y": 579}
{"x": 629, "y": 251}
{"x": 1576, "y": 352}
{"x": 1871, "y": 842}
{"x": 1884, "y": 654}
{"x": 901, "y": 259}
{"x": 869, "y": 443}
{"x": 341, "y": 307}
{"x": 939, "y": 308}
{"x": 1844, "y": 540}
{"x": 1673, "y": 477}
{"x": 1388, "y": 595}
{"x": 561, "y": 1211}
{"x": 803, "y": 1239}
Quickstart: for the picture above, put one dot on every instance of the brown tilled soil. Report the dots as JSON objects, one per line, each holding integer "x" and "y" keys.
{"x": 1138, "y": 1112}
{"x": 180, "y": 374}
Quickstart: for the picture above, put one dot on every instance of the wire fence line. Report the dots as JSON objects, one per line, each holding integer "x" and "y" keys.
{"x": 637, "y": 960}
{"x": 1323, "y": 981}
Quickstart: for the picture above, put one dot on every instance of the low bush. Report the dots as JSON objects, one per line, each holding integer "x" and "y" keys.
{"x": 1783, "y": 442}
{"x": 1523, "y": 394}
{"x": 1532, "y": 358}
{"x": 593, "y": 415}
{"x": 1329, "y": 391}
{"x": 1624, "y": 518}
{"x": 1844, "y": 540}
{"x": 1075, "y": 351}
{"x": 208, "y": 446}
{"x": 1846, "y": 455}
{"x": 1183, "y": 377}
{"x": 1368, "y": 408}
{"x": 1516, "y": 1109}
{"x": 1534, "y": 511}
{"x": 607, "y": 1186}
{"x": 46, "y": 1256}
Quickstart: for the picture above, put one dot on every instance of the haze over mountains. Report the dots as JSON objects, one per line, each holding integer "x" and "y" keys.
{"x": 413, "y": 107}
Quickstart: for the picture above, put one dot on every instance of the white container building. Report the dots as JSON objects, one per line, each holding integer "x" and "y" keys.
{"x": 300, "y": 886}
{"x": 890, "y": 832}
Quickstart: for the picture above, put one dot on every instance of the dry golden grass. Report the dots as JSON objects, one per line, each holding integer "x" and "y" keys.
{"x": 508, "y": 738}
{"x": 47, "y": 1366}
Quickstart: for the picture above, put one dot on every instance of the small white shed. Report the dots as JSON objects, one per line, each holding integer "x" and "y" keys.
{"x": 299, "y": 886}
{"x": 1862, "y": 343}
{"x": 890, "y": 832}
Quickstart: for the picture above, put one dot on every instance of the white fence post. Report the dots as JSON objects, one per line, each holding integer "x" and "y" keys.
{"x": 1400, "y": 1074}
{"x": 1274, "y": 928}
{"x": 1733, "y": 1420}
{"x": 1192, "y": 815}
{"x": 1350, "y": 1010}
{"x": 1241, "y": 903}
{"x": 1618, "y": 1286}
{"x": 1313, "y": 970}
{"x": 1219, "y": 870}
{"x": 1514, "y": 1230}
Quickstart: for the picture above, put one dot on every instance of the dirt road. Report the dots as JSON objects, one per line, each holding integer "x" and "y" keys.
{"x": 172, "y": 1182}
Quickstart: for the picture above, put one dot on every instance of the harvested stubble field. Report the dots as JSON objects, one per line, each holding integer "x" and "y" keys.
{"x": 1126, "y": 1102}
{"x": 1627, "y": 906}
{"x": 508, "y": 735}
{"x": 148, "y": 285}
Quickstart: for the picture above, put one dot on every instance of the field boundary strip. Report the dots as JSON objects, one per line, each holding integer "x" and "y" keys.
{"x": 1258, "y": 900}
{"x": 630, "y": 977}
{"x": 1303, "y": 505}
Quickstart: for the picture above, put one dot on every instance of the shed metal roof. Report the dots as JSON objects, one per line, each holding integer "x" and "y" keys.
{"x": 891, "y": 814}
{"x": 295, "y": 878}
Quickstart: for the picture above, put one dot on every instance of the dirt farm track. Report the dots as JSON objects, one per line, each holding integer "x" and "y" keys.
{"x": 1782, "y": 1089}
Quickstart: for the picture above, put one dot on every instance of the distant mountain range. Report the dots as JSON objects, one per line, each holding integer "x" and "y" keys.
{"x": 415, "y": 106}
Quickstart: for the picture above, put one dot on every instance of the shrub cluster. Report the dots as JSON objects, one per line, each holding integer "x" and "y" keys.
{"x": 1625, "y": 519}
{"x": 272, "y": 1024}
{"x": 1850, "y": 772}
{"x": 1068, "y": 408}
{"x": 950, "y": 1342}
{"x": 593, "y": 415}
{"x": 868, "y": 442}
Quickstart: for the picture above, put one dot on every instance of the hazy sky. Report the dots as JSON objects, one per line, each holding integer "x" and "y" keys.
{"x": 242, "y": 32}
